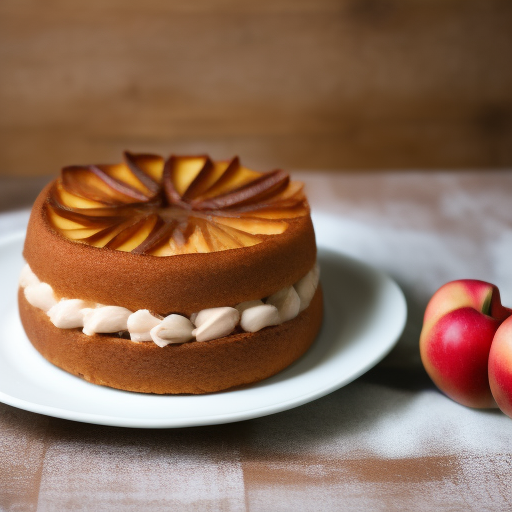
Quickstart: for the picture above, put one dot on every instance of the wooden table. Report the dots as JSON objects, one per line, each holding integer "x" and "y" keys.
{"x": 388, "y": 441}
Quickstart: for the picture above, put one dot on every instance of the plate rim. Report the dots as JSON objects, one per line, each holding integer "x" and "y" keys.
{"x": 229, "y": 417}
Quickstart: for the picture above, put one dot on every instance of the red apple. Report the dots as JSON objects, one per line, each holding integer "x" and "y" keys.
{"x": 500, "y": 367}
{"x": 458, "y": 328}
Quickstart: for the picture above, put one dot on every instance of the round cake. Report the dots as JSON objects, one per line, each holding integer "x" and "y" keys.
{"x": 183, "y": 275}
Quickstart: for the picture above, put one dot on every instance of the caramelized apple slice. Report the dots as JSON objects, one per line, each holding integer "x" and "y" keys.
{"x": 293, "y": 191}
{"x": 234, "y": 177}
{"x": 254, "y": 226}
{"x": 244, "y": 239}
{"x": 124, "y": 174}
{"x": 204, "y": 181}
{"x": 168, "y": 246}
{"x": 63, "y": 197}
{"x": 252, "y": 192}
{"x": 160, "y": 236}
{"x": 60, "y": 217}
{"x": 151, "y": 166}
{"x": 201, "y": 181}
{"x": 61, "y": 222}
{"x": 93, "y": 183}
{"x": 103, "y": 237}
{"x": 189, "y": 241}
{"x": 139, "y": 236}
{"x": 174, "y": 247}
{"x": 219, "y": 240}
{"x": 147, "y": 169}
{"x": 161, "y": 250}
{"x": 133, "y": 236}
{"x": 95, "y": 215}
{"x": 180, "y": 172}
{"x": 197, "y": 240}
{"x": 276, "y": 213}
{"x": 81, "y": 233}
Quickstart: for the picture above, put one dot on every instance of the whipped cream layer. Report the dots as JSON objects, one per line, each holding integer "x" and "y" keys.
{"x": 145, "y": 326}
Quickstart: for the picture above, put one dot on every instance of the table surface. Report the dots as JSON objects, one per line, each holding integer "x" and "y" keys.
{"x": 388, "y": 441}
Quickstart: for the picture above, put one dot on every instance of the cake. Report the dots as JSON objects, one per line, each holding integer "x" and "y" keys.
{"x": 183, "y": 275}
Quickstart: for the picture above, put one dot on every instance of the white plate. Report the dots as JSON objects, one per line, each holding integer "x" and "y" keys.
{"x": 365, "y": 312}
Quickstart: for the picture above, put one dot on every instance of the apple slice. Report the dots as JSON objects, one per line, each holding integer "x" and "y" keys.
{"x": 103, "y": 237}
{"x": 133, "y": 236}
{"x": 198, "y": 241}
{"x": 162, "y": 232}
{"x": 180, "y": 172}
{"x": 120, "y": 231}
{"x": 93, "y": 183}
{"x": 123, "y": 174}
{"x": 199, "y": 182}
{"x": 61, "y": 222}
{"x": 63, "y": 219}
{"x": 189, "y": 241}
{"x": 254, "y": 226}
{"x": 151, "y": 165}
{"x": 270, "y": 212}
{"x": 147, "y": 169}
{"x": 81, "y": 233}
{"x": 252, "y": 192}
{"x": 220, "y": 240}
{"x": 64, "y": 197}
{"x": 294, "y": 190}
{"x": 244, "y": 239}
{"x": 205, "y": 181}
{"x": 162, "y": 250}
{"x": 234, "y": 177}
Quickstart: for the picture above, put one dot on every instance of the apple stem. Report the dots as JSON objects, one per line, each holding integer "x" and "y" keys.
{"x": 486, "y": 306}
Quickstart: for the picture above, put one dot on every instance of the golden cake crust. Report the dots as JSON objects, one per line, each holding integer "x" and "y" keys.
{"x": 196, "y": 367}
{"x": 177, "y": 284}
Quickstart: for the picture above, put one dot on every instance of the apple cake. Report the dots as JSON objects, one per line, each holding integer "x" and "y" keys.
{"x": 184, "y": 275}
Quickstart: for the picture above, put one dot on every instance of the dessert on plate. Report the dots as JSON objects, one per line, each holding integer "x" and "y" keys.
{"x": 183, "y": 275}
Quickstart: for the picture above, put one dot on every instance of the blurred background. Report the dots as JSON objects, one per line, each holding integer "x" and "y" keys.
{"x": 303, "y": 84}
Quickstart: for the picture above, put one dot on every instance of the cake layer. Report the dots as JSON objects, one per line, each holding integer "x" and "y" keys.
{"x": 182, "y": 284}
{"x": 198, "y": 367}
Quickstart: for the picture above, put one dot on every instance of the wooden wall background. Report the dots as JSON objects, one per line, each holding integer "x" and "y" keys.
{"x": 347, "y": 84}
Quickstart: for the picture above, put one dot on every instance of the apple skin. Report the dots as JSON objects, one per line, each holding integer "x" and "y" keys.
{"x": 458, "y": 330}
{"x": 455, "y": 355}
{"x": 500, "y": 367}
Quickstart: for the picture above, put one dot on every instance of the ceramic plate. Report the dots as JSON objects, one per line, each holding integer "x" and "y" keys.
{"x": 365, "y": 313}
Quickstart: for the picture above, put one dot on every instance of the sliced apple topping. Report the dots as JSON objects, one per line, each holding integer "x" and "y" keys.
{"x": 184, "y": 205}
{"x": 98, "y": 184}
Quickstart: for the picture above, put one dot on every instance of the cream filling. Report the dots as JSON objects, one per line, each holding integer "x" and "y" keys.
{"x": 143, "y": 326}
